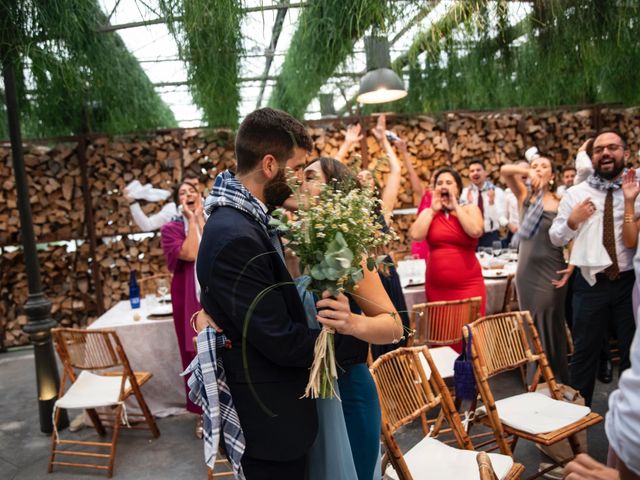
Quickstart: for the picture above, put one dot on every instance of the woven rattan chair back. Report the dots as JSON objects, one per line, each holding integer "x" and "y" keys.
{"x": 501, "y": 342}
{"x": 89, "y": 349}
{"x": 403, "y": 388}
{"x": 148, "y": 285}
{"x": 440, "y": 323}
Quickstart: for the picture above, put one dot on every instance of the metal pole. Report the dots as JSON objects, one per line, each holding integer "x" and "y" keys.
{"x": 38, "y": 307}
{"x": 81, "y": 151}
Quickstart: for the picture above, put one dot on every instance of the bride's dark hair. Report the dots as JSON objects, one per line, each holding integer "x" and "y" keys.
{"x": 336, "y": 173}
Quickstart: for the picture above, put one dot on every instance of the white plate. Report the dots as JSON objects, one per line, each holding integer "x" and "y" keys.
{"x": 502, "y": 273}
{"x": 509, "y": 257}
{"x": 161, "y": 310}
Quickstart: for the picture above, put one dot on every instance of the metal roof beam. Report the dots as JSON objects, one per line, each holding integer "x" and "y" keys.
{"x": 161, "y": 20}
{"x": 275, "y": 35}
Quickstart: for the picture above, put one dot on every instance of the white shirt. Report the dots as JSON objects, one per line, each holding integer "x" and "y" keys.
{"x": 491, "y": 213}
{"x": 155, "y": 221}
{"x": 561, "y": 190}
{"x": 511, "y": 214}
{"x": 561, "y": 234}
{"x": 584, "y": 167}
{"x": 622, "y": 423}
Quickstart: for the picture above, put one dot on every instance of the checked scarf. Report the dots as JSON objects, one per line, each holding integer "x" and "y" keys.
{"x": 208, "y": 389}
{"x": 531, "y": 221}
{"x": 596, "y": 181}
{"x": 229, "y": 192}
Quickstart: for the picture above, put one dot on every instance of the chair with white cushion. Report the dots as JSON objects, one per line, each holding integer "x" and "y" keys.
{"x": 505, "y": 342}
{"x": 438, "y": 325}
{"x": 406, "y": 394}
{"x": 105, "y": 380}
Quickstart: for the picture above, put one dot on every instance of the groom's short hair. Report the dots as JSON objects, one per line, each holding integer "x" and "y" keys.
{"x": 268, "y": 131}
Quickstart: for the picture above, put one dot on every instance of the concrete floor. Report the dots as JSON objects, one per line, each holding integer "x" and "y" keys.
{"x": 177, "y": 454}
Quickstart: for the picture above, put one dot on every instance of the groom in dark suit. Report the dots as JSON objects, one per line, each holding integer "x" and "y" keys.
{"x": 240, "y": 259}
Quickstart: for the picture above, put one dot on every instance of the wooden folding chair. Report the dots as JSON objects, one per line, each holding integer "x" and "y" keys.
{"x": 406, "y": 394}
{"x": 439, "y": 324}
{"x": 485, "y": 467}
{"x": 510, "y": 301}
{"x": 148, "y": 285}
{"x": 105, "y": 380}
{"x": 501, "y": 343}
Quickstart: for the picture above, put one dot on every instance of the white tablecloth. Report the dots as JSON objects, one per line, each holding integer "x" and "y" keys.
{"x": 495, "y": 294}
{"x": 151, "y": 346}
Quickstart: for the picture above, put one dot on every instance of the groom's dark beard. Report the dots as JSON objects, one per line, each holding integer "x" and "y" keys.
{"x": 276, "y": 191}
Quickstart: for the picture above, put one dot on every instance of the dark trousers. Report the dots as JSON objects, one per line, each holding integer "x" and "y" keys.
{"x": 593, "y": 308}
{"x": 256, "y": 469}
{"x": 488, "y": 238}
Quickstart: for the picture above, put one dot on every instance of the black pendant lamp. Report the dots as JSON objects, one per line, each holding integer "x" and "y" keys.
{"x": 380, "y": 84}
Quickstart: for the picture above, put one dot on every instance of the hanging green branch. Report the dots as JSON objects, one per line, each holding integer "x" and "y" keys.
{"x": 81, "y": 78}
{"x": 569, "y": 52}
{"x": 326, "y": 32}
{"x": 209, "y": 36}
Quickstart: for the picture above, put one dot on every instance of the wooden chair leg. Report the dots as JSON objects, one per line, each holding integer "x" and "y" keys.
{"x": 97, "y": 423}
{"x": 151, "y": 421}
{"x": 114, "y": 439}
{"x": 54, "y": 442}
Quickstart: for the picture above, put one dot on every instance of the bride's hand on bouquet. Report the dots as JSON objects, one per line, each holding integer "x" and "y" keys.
{"x": 335, "y": 313}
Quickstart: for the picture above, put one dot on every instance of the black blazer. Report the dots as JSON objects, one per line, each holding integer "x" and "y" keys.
{"x": 234, "y": 268}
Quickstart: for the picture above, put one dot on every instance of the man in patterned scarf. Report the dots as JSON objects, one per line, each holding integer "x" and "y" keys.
{"x": 609, "y": 298}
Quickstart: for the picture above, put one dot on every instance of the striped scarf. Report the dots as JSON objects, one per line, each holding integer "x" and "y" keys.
{"x": 208, "y": 389}
{"x": 531, "y": 221}
{"x": 227, "y": 191}
{"x": 596, "y": 181}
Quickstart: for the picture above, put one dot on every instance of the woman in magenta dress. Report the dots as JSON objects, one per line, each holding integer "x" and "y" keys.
{"x": 452, "y": 231}
{"x": 180, "y": 239}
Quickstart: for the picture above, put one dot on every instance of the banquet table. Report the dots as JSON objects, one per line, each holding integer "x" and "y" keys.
{"x": 151, "y": 345}
{"x": 496, "y": 289}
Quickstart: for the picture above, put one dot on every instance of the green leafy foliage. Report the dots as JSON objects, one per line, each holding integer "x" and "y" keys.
{"x": 326, "y": 32}
{"x": 79, "y": 79}
{"x": 566, "y": 53}
{"x": 209, "y": 37}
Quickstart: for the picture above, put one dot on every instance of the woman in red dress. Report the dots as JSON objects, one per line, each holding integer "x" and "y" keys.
{"x": 452, "y": 231}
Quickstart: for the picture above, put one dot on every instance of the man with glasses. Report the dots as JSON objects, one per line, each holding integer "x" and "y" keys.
{"x": 610, "y": 296}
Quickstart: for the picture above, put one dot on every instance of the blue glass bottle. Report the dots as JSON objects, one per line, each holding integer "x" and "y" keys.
{"x": 134, "y": 291}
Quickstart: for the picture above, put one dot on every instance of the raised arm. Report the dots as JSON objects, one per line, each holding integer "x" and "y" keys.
{"x": 512, "y": 175}
{"x": 152, "y": 222}
{"x": 584, "y": 166}
{"x": 416, "y": 184}
{"x": 392, "y": 187}
{"x": 470, "y": 218}
{"x": 630, "y": 189}
{"x": 420, "y": 227}
{"x": 351, "y": 136}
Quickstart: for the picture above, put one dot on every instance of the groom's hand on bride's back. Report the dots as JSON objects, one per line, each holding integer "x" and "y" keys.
{"x": 335, "y": 313}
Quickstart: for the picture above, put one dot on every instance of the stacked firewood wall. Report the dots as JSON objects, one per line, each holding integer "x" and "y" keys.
{"x": 58, "y": 206}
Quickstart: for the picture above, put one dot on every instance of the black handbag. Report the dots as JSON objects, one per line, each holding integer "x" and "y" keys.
{"x": 464, "y": 380}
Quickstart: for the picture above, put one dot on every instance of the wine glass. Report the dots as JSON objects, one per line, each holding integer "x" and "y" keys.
{"x": 162, "y": 287}
{"x": 496, "y": 248}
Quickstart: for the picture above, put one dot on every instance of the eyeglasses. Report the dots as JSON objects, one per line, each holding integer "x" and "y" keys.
{"x": 614, "y": 147}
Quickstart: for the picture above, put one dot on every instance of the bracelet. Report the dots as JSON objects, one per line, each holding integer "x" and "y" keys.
{"x": 628, "y": 218}
{"x": 193, "y": 320}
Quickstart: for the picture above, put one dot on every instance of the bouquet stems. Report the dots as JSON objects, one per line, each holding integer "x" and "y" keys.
{"x": 323, "y": 370}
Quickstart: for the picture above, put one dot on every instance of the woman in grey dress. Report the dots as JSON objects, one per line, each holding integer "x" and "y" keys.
{"x": 542, "y": 272}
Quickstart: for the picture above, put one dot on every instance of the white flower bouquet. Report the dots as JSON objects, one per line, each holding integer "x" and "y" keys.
{"x": 334, "y": 238}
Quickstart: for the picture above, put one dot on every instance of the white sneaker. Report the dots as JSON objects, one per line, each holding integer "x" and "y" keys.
{"x": 77, "y": 423}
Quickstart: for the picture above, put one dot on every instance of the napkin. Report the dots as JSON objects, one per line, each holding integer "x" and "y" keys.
{"x": 591, "y": 257}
